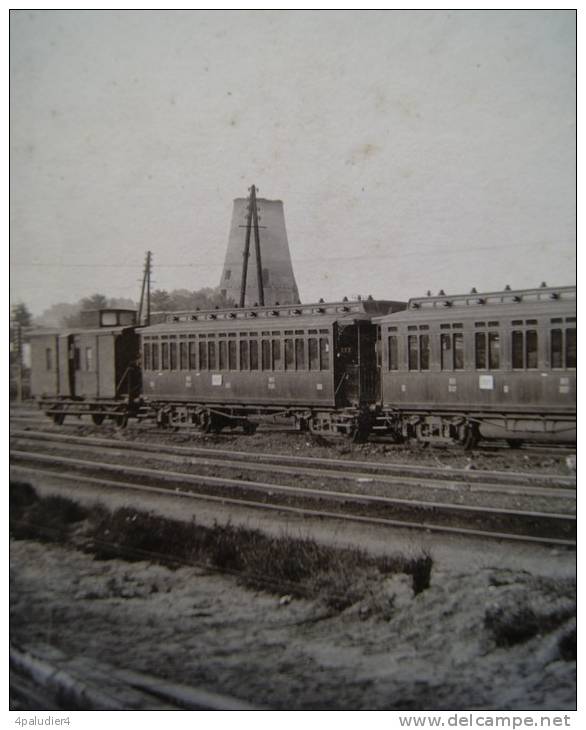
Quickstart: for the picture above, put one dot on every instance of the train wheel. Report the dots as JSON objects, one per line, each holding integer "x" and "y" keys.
{"x": 515, "y": 443}
{"x": 361, "y": 427}
{"x": 471, "y": 436}
{"x": 58, "y": 418}
{"x": 121, "y": 420}
{"x": 98, "y": 418}
{"x": 204, "y": 422}
{"x": 249, "y": 428}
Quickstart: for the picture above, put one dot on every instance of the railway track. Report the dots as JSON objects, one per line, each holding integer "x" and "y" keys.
{"x": 528, "y": 525}
{"x": 384, "y": 473}
{"x": 45, "y": 678}
{"x": 27, "y": 416}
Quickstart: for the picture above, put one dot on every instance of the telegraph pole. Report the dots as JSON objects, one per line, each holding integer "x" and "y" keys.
{"x": 146, "y": 287}
{"x": 17, "y": 349}
{"x": 252, "y": 222}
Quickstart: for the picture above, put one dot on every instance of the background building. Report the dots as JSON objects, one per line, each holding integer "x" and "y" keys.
{"x": 277, "y": 270}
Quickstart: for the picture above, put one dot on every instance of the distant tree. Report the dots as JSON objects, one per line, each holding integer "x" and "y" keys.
{"x": 21, "y": 314}
{"x": 160, "y": 301}
{"x": 96, "y": 301}
{"x": 184, "y": 299}
{"x": 56, "y": 314}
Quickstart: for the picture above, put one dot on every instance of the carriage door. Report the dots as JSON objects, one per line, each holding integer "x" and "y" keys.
{"x": 347, "y": 368}
{"x": 368, "y": 362}
{"x": 66, "y": 366}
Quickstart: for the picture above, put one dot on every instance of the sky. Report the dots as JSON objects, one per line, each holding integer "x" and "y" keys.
{"x": 413, "y": 150}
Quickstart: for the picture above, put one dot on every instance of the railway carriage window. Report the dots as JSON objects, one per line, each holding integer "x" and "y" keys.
{"x": 165, "y": 355}
{"x": 312, "y": 332}
{"x": 493, "y": 324}
{"x": 126, "y": 318}
{"x": 192, "y": 365}
{"x": 173, "y": 357}
{"x": 313, "y": 354}
{"x": 289, "y": 354}
{"x": 413, "y": 352}
{"x": 155, "y": 355}
{"x": 571, "y": 348}
{"x": 424, "y": 351}
{"x": 203, "y": 356}
{"x": 446, "y": 349}
{"x": 556, "y": 349}
{"x": 494, "y": 350}
{"x": 480, "y": 350}
{"x": 146, "y": 356}
{"x": 89, "y": 358}
{"x": 266, "y": 354}
{"x": 244, "y": 355}
{"x": 49, "y": 358}
{"x": 412, "y": 327}
{"x": 76, "y": 359}
{"x": 393, "y": 353}
{"x": 222, "y": 354}
{"x": 299, "y": 332}
{"x": 254, "y": 354}
{"x": 324, "y": 353}
{"x": 517, "y": 349}
{"x": 324, "y": 332}
{"x": 183, "y": 355}
{"x": 211, "y": 355}
{"x": 556, "y": 320}
{"x": 458, "y": 350}
{"x": 300, "y": 354}
{"x": 531, "y": 349}
{"x": 457, "y": 326}
{"x": 276, "y": 354}
{"x": 109, "y": 319}
{"x": 231, "y": 354}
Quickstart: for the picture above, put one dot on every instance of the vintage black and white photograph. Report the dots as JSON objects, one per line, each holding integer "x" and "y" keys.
{"x": 293, "y": 361}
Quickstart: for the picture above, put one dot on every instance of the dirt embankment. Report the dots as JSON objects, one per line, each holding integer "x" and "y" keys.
{"x": 272, "y": 635}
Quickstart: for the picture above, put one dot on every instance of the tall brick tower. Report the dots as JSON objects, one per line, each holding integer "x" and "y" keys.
{"x": 258, "y": 234}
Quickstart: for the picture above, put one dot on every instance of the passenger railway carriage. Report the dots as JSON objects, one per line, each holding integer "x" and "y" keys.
{"x": 446, "y": 369}
{"x": 496, "y": 365}
{"x": 91, "y": 370}
{"x": 316, "y": 363}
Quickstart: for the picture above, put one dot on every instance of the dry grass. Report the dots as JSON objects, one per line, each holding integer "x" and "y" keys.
{"x": 300, "y": 567}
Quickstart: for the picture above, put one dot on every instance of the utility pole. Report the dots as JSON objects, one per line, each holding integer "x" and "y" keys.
{"x": 252, "y": 222}
{"x": 146, "y": 287}
{"x": 17, "y": 349}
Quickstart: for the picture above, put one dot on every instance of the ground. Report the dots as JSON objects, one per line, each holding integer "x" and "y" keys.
{"x": 491, "y": 638}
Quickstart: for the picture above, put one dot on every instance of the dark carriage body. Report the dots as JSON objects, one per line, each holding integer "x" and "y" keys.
{"x": 318, "y": 358}
{"x": 503, "y": 361}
